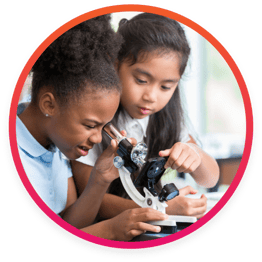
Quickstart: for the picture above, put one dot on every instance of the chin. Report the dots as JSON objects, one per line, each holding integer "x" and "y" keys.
{"x": 141, "y": 116}
{"x": 70, "y": 156}
{"x": 138, "y": 116}
{"x": 74, "y": 157}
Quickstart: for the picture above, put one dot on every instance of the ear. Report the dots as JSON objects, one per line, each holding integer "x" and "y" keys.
{"x": 48, "y": 104}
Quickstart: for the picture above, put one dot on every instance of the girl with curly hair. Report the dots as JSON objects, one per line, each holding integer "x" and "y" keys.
{"x": 75, "y": 92}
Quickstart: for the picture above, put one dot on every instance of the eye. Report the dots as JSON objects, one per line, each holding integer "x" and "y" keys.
{"x": 140, "y": 81}
{"x": 89, "y": 127}
{"x": 165, "y": 88}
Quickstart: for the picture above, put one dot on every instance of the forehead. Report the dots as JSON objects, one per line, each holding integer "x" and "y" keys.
{"x": 164, "y": 65}
{"x": 98, "y": 106}
{"x": 159, "y": 55}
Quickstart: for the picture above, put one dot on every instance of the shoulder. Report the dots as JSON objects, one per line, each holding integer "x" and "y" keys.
{"x": 21, "y": 107}
{"x": 184, "y": 135}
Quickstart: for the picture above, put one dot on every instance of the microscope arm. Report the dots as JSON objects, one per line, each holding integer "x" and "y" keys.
{"x": 148, "y": 201}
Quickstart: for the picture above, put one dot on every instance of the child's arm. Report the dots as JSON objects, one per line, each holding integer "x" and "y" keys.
{"x": 111, "y": 205}
{"x": 83, "y": 211}
{"x": 127, "y": 225}
{"x": 189, "y": 158}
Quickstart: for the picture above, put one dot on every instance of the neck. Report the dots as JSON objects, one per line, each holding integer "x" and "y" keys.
{"x": 35, "y": 122}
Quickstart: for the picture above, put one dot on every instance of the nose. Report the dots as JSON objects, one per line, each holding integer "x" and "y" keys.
{"x": 96, "y": 137}
{"x": 150, "y": 94}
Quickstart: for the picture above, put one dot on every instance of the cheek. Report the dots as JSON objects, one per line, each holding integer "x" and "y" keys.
{"x": 66, "y": 135}
{"x": 63, "y": 137}
{"x": 129, "y": 95}
{"x": 163, "y": 101}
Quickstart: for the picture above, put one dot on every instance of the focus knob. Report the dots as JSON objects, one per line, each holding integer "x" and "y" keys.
{"x": 118, "y": 162}
{"x": 168, "y": 192}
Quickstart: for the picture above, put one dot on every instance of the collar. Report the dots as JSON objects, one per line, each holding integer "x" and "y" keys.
{"x": 133, "y": 121}
{"x": 144, "y": 123}
{"x": 27, "y": 142}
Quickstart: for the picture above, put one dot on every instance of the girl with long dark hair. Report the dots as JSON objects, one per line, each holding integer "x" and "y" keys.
{"x": 150, "y": 64}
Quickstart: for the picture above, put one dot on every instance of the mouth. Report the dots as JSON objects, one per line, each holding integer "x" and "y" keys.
{"x": 83, "y": 150}
{"x": 144, "y": 110}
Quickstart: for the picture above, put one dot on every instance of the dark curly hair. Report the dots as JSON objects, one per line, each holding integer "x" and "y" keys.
{"x": 84, "y": 55}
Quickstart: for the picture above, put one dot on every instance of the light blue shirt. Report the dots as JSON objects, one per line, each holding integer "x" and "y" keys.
{"x": 47, "y": 170}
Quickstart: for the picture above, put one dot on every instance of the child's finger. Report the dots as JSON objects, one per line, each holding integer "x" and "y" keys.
{"x": 176, "y": 158}
{"x": 187, "y": 190}
{"x": 180, "y": 162}
{"x": 175, "y": 154}
{"x": 164, "y": 153}
{"x": 187, "y": 165}
{"x": 114, "y": 144}
{"x": 132, "y": 141}
{"x": 147, "y": 227}
{"x": 201, "y": 202}
{"x": 111, "y": 149}
{"x": 194, "y": 165}
{"x": 149, "y": 214}
{"x": 135, "y": 232}
{"x": 123, "y": 133}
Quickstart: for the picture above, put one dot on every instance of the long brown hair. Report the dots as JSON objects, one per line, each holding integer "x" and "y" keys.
{"x": 142, "y": 34}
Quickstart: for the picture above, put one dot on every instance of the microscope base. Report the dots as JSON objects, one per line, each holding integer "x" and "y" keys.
{"x": 168, "y": 226}
{"x": 173, "y": 224}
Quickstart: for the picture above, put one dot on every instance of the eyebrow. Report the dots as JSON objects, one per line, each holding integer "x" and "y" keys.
{"x": 93, "y": 121}
{"x": 141, "y": 71}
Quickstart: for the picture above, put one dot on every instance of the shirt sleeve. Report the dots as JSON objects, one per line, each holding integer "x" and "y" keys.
{"x": 184, "y": 136}
{"x": 66, "y": 162}
{"x": 92, "y": 156}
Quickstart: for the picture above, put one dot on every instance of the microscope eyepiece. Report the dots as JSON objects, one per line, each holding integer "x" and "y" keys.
{"x": 112, "y": 132}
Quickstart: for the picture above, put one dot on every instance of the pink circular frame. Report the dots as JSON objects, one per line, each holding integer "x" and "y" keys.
{"x": 208, "y": 37}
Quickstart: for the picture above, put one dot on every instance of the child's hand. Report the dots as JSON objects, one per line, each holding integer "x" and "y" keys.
{"x": 183, "y": 157}
{"x": 105, "y": 170}
{"x": 131, "y": 223}
{"x": 104, "y": 167}
{"x": 185, "y": 206}
{"x": 131, "y": 140}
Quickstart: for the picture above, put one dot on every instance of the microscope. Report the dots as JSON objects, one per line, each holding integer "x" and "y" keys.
{"x": 130, "y": 160}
